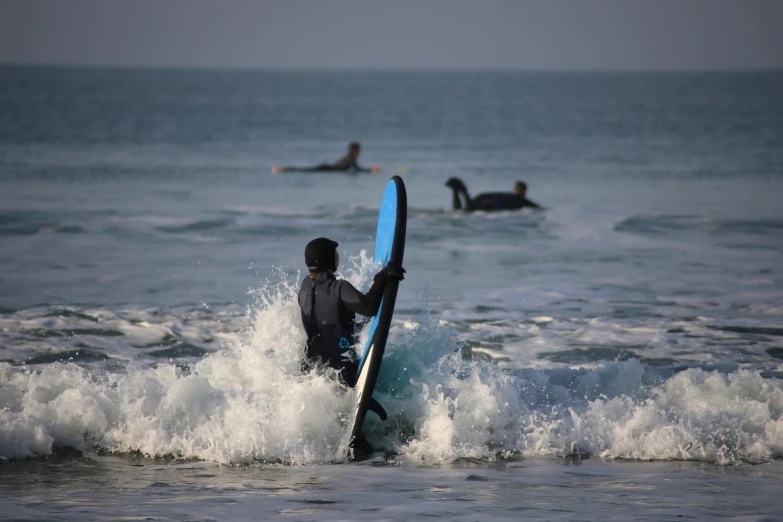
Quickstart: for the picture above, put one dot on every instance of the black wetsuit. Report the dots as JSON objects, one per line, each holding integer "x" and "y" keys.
{"x": 500, "y": 201}
{"x": 329, "y": 307}
{"x": 490, "y": 201}
{"x": 347, "y": 163}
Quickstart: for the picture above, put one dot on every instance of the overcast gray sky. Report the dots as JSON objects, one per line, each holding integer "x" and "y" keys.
{"x": 410, "y": 34}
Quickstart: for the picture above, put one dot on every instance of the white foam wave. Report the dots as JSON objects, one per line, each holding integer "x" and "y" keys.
{"x": 251, "y": 402}
{"x": 247, "y": 402}
{"x": 612, "y": 412}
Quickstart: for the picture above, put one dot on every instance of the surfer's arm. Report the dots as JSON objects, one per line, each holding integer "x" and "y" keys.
{"x": 456, "y": 202}
{"x": 375, "y": 169}
{"x": 363, "y": 304}
{"x": 369, "y": 304}
{"x": 356, "y": 168}
{"x": 349, "y": 164}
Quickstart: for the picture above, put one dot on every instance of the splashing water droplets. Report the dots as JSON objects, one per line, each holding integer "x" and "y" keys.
{"x": 250, "y": 402}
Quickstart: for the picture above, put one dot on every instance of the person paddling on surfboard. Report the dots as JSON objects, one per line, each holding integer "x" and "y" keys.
{"x": 347, "y": 163}
{"x": 489, "y": 201}
{"x": 329, "y": 307}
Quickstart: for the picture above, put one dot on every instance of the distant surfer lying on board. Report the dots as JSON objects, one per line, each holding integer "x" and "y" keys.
{"x": 329, "y": 307}
{"x": 489, "y": 201}
{"x": 347, "y": 163}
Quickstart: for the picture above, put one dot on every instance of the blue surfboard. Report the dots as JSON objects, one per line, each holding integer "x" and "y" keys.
{"x": 389, "y": 247}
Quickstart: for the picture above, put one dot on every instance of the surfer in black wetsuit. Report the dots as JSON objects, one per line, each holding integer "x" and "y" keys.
{"x": 489, "y": 201}
{"x": 347, "y": 163}
{"x": 329, "y": 307}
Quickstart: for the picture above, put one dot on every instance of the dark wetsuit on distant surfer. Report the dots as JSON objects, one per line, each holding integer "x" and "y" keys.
{"x": 489, "y": 201}
{"x": 347, "y": 163}
{"x": 329, "y": 307}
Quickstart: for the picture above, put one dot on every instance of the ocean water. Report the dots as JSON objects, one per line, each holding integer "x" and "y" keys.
{"x": 616, "y": 356}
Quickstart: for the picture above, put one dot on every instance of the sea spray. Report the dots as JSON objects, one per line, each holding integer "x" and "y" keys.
{"x": 249, "y": 402}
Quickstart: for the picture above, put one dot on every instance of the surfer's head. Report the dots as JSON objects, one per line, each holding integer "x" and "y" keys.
{"x": 520, "y": 188}
{"x": 321, "y": 255}
{"x": 354, "y": 148}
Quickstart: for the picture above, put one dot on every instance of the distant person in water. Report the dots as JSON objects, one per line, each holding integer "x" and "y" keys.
{"x": 329, "y": 307}
{"x": 489, "y": 201}
{"x": 347, "y": 163}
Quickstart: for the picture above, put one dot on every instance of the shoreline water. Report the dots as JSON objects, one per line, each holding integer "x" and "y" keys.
{"x": 537, "y": 489}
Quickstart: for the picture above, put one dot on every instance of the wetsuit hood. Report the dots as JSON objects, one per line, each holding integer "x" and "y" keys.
{"x": 320, "y": 255}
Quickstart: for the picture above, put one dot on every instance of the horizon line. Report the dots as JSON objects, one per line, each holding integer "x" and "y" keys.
{"x": 221, "y": 68}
